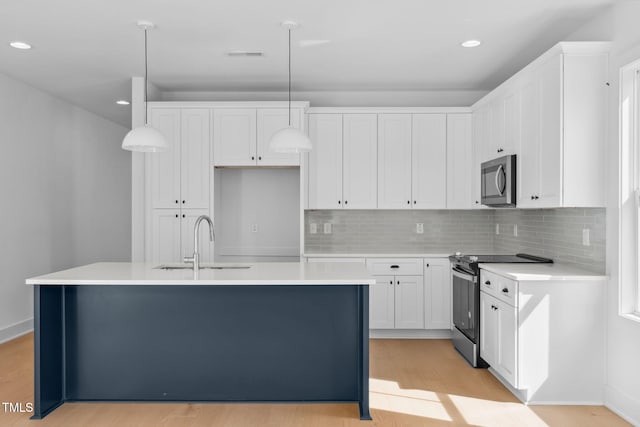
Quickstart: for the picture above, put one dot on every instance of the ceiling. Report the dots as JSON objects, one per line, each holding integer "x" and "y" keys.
{"x": 86, "y": 51}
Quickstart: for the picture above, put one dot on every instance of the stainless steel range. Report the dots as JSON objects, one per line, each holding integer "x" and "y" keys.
{"x": 466, "y": 300}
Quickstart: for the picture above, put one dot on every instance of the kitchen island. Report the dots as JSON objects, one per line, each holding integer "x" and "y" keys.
{"x": 265, "y": 332}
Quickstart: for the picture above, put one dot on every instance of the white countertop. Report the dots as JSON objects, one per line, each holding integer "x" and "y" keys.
{"x": 376, "y": 255}
{"x": 539, "y": 272}
{"x": 262, "y": 273}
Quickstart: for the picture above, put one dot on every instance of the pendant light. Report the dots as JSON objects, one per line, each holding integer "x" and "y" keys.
{"x": 145, "y": 139}
{"x": 289, "y": 139}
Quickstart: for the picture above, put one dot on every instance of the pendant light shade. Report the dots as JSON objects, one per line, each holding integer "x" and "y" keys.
{"x": 289, "y": 139}
{"x": 144, "y": 139}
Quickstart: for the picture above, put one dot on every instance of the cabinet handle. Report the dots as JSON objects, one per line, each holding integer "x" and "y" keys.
{"x": 259, "y": 157}
{"x": 253, "y": 158}
{"x": 488, "y": 282}
{"x": 339, "y": 202}
{"x": 398, "y": 282}
{"x": 177, "y": 202}
{"x": 408, "y": 202}
{"x": 505, "y": 290}
{"x": 395, "y": 266}
{"x": 476, "y": 202}
{"x": 183, "y": 202}
{"x": 184, "y": 216}
{"x": 176, "y": 215}
{"x": 391, "y": 282}
{"x": 537, "y": 197}
{"x": 345, "y": 202}
{"x": 500, "y": 150}
{"x": 427, "y": 265}
{"x": 533, "y": 197}
{"x": 414, "y": 202}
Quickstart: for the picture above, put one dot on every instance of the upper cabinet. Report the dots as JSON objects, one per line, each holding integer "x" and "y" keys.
{"x": 343, "y": 162}
{"x": 241, "y": 136}
{"x": 412, "y": 160}
{"x": 460, "y": 173}
{"x": 179, "y": 176}
{"x": 552, "y": 115}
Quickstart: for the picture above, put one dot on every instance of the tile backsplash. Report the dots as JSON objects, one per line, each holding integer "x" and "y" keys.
{"x": 555, "y": 233}
{"x": 389, "y": 231}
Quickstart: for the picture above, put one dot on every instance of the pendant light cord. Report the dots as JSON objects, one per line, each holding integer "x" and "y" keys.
{"x": 146, "y": 78}
{"x": 289, "y": 77}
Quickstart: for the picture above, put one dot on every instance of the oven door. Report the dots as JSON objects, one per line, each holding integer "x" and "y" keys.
{"x": 464, "y": 302}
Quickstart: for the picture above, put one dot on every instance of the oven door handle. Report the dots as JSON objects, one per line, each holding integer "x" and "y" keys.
{"x": 463, "y": 275}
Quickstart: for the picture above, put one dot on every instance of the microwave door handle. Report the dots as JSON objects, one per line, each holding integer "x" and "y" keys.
{"x": 499, "y": 172}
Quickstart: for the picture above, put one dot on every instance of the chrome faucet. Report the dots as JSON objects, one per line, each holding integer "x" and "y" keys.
{"x": 195, "y": 259}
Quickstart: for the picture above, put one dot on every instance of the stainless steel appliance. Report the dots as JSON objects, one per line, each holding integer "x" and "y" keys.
{"x": 498, "y": 182}
{"x": 465, "y": 273}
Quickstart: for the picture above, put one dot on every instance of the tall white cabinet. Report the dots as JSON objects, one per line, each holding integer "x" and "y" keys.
{"x": 177, "y": 183}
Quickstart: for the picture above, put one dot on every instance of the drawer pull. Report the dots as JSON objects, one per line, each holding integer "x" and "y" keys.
{"x": 395, "y": 266}
{"x": 488, "y": 283}
{"x": 505, "y": 290}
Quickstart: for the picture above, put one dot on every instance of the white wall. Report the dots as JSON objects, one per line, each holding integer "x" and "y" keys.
{"x": 622, "y": 393}
{"x": 65, "y": 191}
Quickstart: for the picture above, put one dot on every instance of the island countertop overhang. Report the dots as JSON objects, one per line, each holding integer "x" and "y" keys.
{"x": 261, "y": 273}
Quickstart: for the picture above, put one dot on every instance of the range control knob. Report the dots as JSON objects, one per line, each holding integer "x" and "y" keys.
{"x": 473, "y": 258}
{"x": 458, "y": 254}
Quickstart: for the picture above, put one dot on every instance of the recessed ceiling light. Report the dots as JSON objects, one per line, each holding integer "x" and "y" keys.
{"x": 245, "y": 53}
{"x": 123, "y": 102}
{"x": 471, "y": 43}
{"x": 20, "y": 45}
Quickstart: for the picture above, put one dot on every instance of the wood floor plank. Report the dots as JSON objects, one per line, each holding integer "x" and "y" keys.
{"x": 413, "y": 383}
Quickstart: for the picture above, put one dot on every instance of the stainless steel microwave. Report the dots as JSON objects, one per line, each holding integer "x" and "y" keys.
{"x": 498, "y": 182}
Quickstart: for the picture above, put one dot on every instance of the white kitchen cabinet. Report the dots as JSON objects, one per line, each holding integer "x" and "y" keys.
{"x": 437, "y": 293}
{"x": 343, "y": 162}
{"x": 359, "y": 161}
{"x": 397, "y": 299}
{"x": 171, "y": 235}
{"x": 554, "y": 114}
{"x": 179, "y": 176}
{"x": 544, "y": 338}
{"x": 459, "y": 162}
{"x": 241, "y": 136}
{"x": 412, "y": 161}
{"x": 394, "y": 161}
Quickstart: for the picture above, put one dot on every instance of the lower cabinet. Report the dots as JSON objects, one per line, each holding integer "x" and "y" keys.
{"x": 544, "y": 337}
{"x": 396, "y": 302}
{"x": 171, "y": 235}
{"x": 437, "y": 293}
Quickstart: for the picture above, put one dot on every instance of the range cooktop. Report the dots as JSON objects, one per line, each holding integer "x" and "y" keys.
{"x": 517, "y": 258}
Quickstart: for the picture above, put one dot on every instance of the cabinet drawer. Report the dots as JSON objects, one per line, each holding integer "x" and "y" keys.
{"x": 395, "y": 266}
{"x": 340, "y": 259}
{"x": 498, "y": 286}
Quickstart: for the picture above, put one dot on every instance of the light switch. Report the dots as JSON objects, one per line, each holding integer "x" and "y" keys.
{"x": 515, "y": 230}
{"x": 585, "y": 237}
{"x": 497, "y": 228}
{"x": 420, "y": 228}
{"x": 254, "y": 228}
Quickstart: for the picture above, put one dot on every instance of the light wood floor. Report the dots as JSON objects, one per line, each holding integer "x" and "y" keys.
{"x": 413, "y": 383}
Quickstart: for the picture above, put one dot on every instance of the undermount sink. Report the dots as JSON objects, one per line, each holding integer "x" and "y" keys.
{"x": 203, "y": 266}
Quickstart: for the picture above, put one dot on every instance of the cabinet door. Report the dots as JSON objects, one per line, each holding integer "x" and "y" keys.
{"x": 165, "y": 236}
{"x": 437, "y": 293}
{"x": 325, "y": 161}
{"x": 550, "y": 141}
{"x": 528, "y": 158}
{"x": 479, "y": 140}
{"x": 360, "y": 161}
{"x": 495, "y": 147}
{"x": 511, "y": 124}
{"x": 188, "y": 220}
{"x": 381, "y": 303}
{"x": 195, "y": 165}
{"x": 488, "y": 328}
{"x": 163, "y": 180}
{"x": 394, "y": 161}
{"x": 409, "y": 313}
{"x": 234, "y": 137}
{"x": 429, "y": 161}
{"x": 270, "y": 121}
{"x": 459, "y": 161}
{"x": 506, "y": 349}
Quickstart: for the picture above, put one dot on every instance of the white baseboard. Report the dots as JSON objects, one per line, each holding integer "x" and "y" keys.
{"x": 627, "y": 407}
{"x": 17, "y": 329}
{"x": 409, "y": 334}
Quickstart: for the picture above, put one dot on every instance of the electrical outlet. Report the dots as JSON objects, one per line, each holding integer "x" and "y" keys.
{"x": 585, "y": 237}
{"x": 254, "y": 228}
{"x": 327, "y": 228}
{"x": 313, "y": 228}
{"x": 420, "y": 228}
{"x": 515, "y": 230}
{"x": 497, "y": 228}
